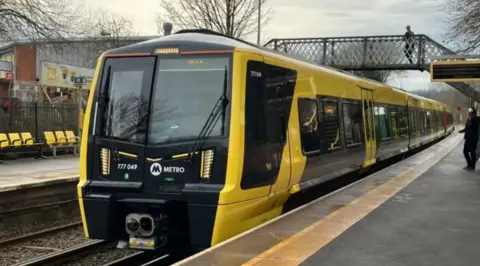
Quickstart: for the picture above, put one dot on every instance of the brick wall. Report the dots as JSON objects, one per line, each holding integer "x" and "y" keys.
{"x": 26, "y": 62}
{"x": 3, "y": 90}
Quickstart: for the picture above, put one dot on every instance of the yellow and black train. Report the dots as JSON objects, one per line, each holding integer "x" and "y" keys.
{"x": 195, "y": 137}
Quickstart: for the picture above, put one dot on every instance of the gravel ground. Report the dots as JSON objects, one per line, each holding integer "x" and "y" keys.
{"x": 31, "y": 248}
{"x": 102, "y": 256}
{"x": 35, "y": 226}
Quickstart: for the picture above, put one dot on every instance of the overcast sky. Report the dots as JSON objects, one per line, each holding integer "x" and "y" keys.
{"x": 322, "y": 18}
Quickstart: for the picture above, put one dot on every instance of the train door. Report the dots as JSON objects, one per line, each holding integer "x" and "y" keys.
{"x": 267, "y": 108}
{"x": 369, "y": 125}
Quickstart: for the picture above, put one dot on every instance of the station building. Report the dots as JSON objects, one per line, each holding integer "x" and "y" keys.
{"x": 52, "y": 69}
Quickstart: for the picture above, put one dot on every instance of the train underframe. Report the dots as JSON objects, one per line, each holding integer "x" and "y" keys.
{"x": 149, "y": 224}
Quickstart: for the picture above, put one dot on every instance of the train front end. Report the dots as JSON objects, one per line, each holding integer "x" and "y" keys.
{"x": 155, "y": 144}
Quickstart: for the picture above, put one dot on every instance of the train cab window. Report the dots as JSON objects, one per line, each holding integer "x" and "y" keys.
{"x": 175, "y": 117}
{"x": 393, "y": 118}
{"x": 308, "y": 114}
{"x": 352, "y": 120}
{"x": 125, "y": 93}
{"x": 383, "y": 123}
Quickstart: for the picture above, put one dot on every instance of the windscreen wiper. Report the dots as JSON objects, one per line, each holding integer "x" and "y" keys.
{"x": 212, "y": 120}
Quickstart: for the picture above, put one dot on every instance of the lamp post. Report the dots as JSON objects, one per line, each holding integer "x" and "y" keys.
{"x": 259, "y": 19}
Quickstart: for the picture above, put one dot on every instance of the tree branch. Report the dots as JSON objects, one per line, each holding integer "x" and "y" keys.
{"x": 463, "y": 24}
{"x": 236, "y": 18}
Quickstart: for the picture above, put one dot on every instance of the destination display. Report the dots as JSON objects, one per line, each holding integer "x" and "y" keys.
{"x": 455, "y": 71}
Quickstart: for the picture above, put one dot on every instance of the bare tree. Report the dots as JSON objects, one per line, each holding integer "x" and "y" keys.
{"x": 377, "y": 75}
{"x": 236, "y": 18}
{"x": 111, "y": 26}
{"x": 464, "y": 24}
{"x": 108, "y": 31}
{"x": 40, "y": 19}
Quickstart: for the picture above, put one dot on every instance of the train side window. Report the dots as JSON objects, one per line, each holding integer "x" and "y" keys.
{"x": 383, "y": 123}
{"x": 420, "y": 121}
{"x": 330, "y": 126}
{"x": 367, "y": 125}
{"x": 393, "y": 118}
{"x": 425, "y": 121}
{"x": 402, "y": 122}
{"x": 352, "y": 121}
{"x": 413, "y": 124}
{"x": 428, "y": 116}
{"x": 309, "y": 132}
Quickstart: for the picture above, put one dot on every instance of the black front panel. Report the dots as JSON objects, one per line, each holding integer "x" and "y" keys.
{"x": 269, "y": 92}
{"x": 201, "y": 224}
{"x": 148, "y": 113}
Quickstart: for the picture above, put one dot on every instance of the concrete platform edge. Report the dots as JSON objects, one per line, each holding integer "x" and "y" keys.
{"x": 26, "y": 185}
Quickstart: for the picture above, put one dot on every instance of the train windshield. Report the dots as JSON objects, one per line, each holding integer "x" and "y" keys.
{"x": 184, "y": 94}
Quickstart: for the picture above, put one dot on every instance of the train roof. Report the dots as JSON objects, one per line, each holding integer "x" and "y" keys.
{"x": 197, "y": 37}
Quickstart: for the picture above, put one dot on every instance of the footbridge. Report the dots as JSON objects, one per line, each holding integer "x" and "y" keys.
{"x": 386, "y": 52}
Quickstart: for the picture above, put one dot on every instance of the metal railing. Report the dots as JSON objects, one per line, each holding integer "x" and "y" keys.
{"x": 386, "y": 52}
{"x": 35, "y": 117}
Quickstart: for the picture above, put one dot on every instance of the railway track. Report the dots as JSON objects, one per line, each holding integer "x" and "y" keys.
{"x": 56, "y": 258}
{"x": 41, "y": 233}
{"x": 34, "y": 209}
{"x": 70, "y": 256}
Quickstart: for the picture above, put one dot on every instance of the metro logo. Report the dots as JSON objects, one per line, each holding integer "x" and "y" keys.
{"x": 156, "y": 169}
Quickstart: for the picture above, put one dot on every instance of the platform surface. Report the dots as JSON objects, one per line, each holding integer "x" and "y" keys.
{"x": 25, "y": 173}
{"x": 433, "y": 221}
{"x": 424, "y": 210}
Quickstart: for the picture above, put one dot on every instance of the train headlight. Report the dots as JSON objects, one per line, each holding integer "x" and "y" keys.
{"x": 207, "y": 163}
{"x": 131, "y": 225}
{"x": 105, "y": 161}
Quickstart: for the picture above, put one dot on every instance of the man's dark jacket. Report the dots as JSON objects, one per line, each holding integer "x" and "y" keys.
{"x": 471, "y": 129}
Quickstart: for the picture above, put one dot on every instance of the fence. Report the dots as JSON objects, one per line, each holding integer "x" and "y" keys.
{"x": 35, "y": 117}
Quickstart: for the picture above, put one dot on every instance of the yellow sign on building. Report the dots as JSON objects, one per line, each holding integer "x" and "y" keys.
{"x": 65, "y": 76}
{"x": 10, "y": 57}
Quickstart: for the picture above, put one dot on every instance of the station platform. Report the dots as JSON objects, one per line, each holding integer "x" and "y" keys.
{"x": 27, "y": 173}
{"x": 424, "y": 210}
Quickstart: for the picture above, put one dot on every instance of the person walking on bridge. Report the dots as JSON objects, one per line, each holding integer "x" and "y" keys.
{"x": 409, "y": 44}
{"x": 471, "y": 138}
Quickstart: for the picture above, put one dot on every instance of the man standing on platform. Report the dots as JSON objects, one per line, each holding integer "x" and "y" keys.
{"x": 471, "y": 138}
